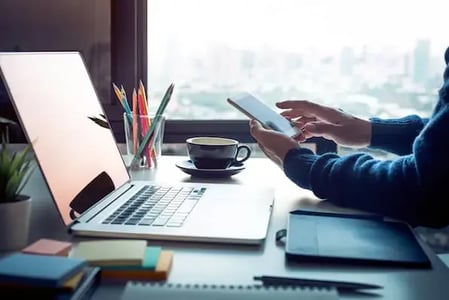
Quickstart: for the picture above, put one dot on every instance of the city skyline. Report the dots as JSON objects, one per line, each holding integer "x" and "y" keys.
{"x": 376, "y": 83}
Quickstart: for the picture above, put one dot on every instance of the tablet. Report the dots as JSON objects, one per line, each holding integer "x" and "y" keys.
{"x": 322, "y": 237}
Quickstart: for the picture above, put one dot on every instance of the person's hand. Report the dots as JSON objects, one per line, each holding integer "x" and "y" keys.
{"x": 275, "y": 145}
{"x": 334, "y": 124}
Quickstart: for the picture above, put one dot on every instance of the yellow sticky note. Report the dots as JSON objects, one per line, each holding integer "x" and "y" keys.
{"x": 111, "y": 252}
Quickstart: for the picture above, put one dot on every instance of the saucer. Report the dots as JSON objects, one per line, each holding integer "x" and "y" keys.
{"x": 188, "y": 167}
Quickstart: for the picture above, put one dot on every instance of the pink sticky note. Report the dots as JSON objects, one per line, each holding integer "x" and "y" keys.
{"x": 49, "y": 247}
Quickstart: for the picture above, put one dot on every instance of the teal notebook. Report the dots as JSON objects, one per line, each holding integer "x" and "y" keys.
{"x": 38, "y": 270}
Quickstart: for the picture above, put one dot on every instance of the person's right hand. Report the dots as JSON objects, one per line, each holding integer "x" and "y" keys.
{"x": 334, "y": 124}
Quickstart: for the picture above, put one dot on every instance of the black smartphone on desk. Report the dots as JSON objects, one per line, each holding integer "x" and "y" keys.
{"x": 254, "y": 108}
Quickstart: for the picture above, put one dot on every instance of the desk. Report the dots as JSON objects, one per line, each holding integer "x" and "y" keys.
{"x": 234, "y": 264}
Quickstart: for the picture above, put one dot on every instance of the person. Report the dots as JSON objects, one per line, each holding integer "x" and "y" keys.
{"x": 410, "y": 187}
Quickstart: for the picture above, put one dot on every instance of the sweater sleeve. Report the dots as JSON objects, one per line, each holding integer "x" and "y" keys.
{"x": 410, "y": 188}
{"x": 396, "y": 135}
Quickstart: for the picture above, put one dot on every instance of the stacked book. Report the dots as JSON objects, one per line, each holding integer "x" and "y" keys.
{"x": 122, "y": 259}
{"x": 48, "y": 276}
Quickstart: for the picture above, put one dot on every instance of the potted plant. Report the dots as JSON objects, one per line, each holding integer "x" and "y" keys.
{"x": 15, "y": 207}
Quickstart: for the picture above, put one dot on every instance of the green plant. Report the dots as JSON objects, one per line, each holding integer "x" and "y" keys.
{"x": 15, "y": 167}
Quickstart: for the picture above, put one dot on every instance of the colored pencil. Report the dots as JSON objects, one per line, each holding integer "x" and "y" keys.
{"x": 122, "y": 99}
{"x": 125, "y": 101}
{"x": 143, "y": 119}
{"x": 151, "y": 152}
{"x": 134, "y": 125}
{"x": 146, "y": 123}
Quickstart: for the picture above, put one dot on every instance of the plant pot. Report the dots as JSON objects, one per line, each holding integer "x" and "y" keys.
{"x": 15, "y": 223}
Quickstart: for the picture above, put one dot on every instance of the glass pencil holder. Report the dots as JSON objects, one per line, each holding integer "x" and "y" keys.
{"x": 138, "y": 141}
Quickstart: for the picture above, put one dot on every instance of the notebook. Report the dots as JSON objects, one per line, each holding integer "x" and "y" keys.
{"x": 28, "y": 269}
{"x": 150, "y": 290}
{"x": 87, "y": 286}
{"x": 82, "y": 289}
{"x": 54, "y": 97}
{"x": 354, "y": 239}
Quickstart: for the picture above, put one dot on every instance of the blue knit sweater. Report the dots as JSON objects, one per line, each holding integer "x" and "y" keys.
{"x": 411, "y": 187}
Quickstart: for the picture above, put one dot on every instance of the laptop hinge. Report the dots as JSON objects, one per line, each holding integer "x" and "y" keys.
{"x": 99, "y": 206}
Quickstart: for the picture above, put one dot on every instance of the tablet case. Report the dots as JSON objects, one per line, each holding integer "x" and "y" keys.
{"x": 355, "y": 239}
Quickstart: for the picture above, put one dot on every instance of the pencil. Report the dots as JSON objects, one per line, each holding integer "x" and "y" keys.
{"x": 134, "y": 125}
{"x": 143, "y": 123}
{"x": 146, "y": 121}
{"x": 123, "y": 102}
{"x": 152, "y": 151}
{"x": 142, "y": 88}
{"x": 117, "y": 91}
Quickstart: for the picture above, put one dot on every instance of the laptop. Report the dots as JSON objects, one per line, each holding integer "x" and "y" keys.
{"x": 54, "y": 96}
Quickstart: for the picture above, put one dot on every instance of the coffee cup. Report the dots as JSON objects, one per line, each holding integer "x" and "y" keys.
{"x": 216, "y": 152}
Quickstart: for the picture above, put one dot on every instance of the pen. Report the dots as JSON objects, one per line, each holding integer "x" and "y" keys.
{"x": 339, "y": 285}
{"x": 337, "y": 215}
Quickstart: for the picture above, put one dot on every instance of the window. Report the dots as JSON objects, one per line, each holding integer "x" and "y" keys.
{"x": 366, "y": 57}
{"x": 370, "y": 58}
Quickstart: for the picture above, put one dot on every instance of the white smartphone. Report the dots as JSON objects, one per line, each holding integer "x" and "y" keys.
{"x": 254, "y": 108}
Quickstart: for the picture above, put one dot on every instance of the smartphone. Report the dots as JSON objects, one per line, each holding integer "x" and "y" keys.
{"x": 254, "y": 108}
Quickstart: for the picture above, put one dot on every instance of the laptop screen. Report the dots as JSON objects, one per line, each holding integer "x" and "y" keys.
{"x": 54, "y": 97}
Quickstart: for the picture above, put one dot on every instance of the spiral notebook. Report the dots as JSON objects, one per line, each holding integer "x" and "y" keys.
{"x": 167, "y": 291}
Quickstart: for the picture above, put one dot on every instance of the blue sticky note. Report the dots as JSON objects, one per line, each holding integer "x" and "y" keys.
{"x": 151, "y": 257}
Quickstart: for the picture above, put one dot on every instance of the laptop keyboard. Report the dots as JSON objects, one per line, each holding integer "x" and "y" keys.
{"x": 157, "y": 206}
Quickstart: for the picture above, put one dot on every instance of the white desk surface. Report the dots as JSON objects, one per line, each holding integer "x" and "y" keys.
{"x": 236, "y": 264}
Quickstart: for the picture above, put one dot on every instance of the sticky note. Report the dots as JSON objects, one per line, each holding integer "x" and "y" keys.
{"x": 151, "y": 257}
{"x": 49, "y": 247}
{"x": 111, "y": 252}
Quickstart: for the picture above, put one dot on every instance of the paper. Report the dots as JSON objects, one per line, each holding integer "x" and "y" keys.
{"x": 48, "y": 247}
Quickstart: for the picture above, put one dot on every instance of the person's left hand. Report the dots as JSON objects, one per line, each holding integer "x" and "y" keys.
{"x": 275, "y": 145}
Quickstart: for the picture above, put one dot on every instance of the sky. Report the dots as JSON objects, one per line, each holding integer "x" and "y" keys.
{"x": 295, "y": 25}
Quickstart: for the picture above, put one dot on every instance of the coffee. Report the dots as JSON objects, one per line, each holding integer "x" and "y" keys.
{"x": 216, "y": 152}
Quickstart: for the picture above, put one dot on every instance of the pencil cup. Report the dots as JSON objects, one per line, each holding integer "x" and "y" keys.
{"x": 137, "y": 140}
